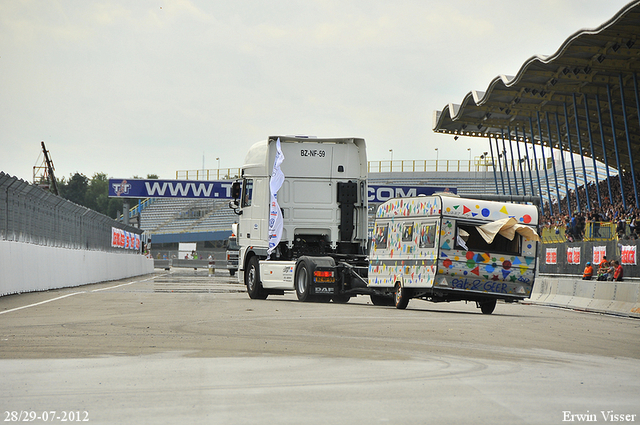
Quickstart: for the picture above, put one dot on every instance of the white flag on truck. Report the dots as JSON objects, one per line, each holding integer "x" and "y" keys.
{"x": 275, "y": 215}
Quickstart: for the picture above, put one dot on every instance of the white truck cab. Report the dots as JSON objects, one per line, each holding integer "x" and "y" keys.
{"x": 323, "y": 205}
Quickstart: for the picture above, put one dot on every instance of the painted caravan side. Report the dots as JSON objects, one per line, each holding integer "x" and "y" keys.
{"x": 430, "y": 248}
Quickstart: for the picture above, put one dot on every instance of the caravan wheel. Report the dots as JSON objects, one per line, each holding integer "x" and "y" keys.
{"x": 401, "y": 297}
{"x": 487, "y": 307}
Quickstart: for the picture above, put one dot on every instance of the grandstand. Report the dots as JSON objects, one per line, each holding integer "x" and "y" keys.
{"x": 173, "y": 220}
{"x": 174, "y": 215}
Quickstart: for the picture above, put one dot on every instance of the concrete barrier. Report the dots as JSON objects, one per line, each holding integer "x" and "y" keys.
{"x": 27, "y": 267}
{"x": 620, "y": 298}
{"x": 181, "y": 263}
{"x": 190, "y": 264}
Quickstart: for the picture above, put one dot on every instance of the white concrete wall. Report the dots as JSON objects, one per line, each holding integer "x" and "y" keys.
{"x": 621, "y": 298}
{"x": 27, "y": 267}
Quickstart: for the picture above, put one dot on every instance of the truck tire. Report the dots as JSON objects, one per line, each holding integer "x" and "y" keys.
{"x": 252, "y": 280}
{"x": 381, "y": 300}
{"x": 303, "y": 282}
{"x": 341, "y": 298}
{"x": 400, "y": 297}
{"x": 487, "y": 307}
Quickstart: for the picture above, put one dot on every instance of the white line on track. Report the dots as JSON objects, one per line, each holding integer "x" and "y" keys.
{"x": 41, "y": 302}
{"x": 76, "y": 293}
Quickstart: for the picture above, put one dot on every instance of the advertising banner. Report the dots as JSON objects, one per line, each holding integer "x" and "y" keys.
{"x": 221, "y": 189}
{"x": 382, "y": 193}
{"x": 599, "y": 252}
{"x": 552, "y": 255}
{"x": 123, "y": 239}
{"x": 132, "y": 188}
{"x": 573, "y": 255}
{"x": 628, "y": 255}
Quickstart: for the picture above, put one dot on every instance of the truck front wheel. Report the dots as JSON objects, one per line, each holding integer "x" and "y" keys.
{"x": 252, "y": 280}
{"x": 303, "y": 282}
{"x": 401, "y": 297}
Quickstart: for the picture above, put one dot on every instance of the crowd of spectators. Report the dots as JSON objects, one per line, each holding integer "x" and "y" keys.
{"x": 610, "y": 210}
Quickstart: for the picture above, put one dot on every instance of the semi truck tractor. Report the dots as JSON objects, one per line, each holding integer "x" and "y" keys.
{"x": 302, "y": 218}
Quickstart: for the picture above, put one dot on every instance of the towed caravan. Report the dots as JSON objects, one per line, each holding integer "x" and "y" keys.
{"x": 444, "y": 248}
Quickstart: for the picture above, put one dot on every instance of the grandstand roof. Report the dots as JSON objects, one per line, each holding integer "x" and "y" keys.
{"x": 591, "y": 66}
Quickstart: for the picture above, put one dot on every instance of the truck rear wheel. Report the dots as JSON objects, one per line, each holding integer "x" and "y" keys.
{"x": 303, "y": 282}
{"x": 252, "y": 280}
{"x": 401, "y": 297}
{"x": 487, "y": 307}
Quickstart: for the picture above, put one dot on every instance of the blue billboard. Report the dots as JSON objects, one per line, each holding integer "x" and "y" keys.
{"x": 130, "y": 188}
{"x": 221, "y": 189}
{"x": 382, "y": 193}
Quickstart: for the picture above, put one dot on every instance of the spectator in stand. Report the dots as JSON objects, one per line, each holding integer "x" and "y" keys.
{"x": 620, "y": 228}
{"x": 588, "y": 271}
{"x": 618, "y": 274}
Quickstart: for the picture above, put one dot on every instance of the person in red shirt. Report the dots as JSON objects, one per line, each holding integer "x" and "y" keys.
{"x": 618, "y": 273}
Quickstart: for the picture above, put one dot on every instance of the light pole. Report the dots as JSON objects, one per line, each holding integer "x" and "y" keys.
{"x": 437, "y": 153}
{"x": 469, "y": 150}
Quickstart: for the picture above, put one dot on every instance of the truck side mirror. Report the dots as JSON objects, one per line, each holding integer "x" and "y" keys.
{"x": 236, "y": 189}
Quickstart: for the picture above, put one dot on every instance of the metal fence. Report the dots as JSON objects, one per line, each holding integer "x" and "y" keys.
{"x": 32, "y": 215}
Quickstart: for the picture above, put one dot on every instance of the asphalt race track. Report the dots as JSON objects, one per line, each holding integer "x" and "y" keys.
{"x": 182, "y": 347}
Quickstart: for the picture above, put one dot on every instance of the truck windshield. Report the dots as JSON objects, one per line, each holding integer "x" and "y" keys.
{"x": 233, "y": 244}
{"x": 468, "y": 239}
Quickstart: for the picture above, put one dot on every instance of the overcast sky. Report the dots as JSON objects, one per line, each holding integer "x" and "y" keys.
{"x": 139, "y": 87}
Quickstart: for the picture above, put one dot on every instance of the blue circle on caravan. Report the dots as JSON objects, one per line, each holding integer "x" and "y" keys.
{"x": 486, "y": 212}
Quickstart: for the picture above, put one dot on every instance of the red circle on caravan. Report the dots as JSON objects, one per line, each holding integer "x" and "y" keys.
{"x": 526, "y": 218}
{"x": 470, "y": 255}
{"x": 506, "y": 265}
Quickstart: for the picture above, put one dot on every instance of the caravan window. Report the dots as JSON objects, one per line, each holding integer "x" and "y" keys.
{"x": 427, "y": 235}
{"x": 407, "y": 232}
{"x": 468, "y": 239}
{"x": 380, "y": 238}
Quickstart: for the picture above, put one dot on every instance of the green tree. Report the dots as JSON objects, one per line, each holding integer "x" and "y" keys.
{"x": 75, "y": 188}
{"x": 97, "y": 195}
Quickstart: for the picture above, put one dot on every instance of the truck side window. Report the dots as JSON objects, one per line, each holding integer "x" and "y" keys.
{"x": 427, "y": 237}
{"x": 380, "y": 238}
{"x": 247, "y": 193}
